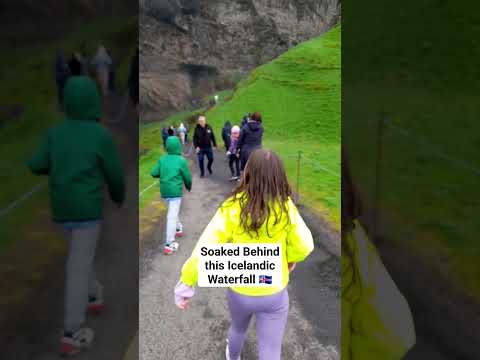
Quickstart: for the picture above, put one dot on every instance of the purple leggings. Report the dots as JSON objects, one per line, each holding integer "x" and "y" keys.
{"x": 271, "y": 314}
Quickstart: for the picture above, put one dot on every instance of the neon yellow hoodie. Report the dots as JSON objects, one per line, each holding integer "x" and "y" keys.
{"x": 376, "y": 319}
{"x": 295, "y": 238}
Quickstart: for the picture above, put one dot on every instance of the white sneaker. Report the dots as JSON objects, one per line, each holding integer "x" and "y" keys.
{"x": 170, "y": 248}
{"x": 80, "y": 340}
{"x": 227, "y": 353}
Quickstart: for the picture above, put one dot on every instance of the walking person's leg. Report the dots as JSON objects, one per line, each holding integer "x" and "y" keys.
{"x": 271, "y": 327}
{"x": 201, "y": 165}
{"x": 172, "y": 217}
{"x": 237, "y": 166}
{"x": 232, "y": 159}
{"x": 82, "y": 246}
{"x": 209, "y": 154}
{"x": 240, "y": 315}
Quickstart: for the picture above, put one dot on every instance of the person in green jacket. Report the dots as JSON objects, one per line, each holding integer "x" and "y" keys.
{"x": 79, "y": 156}
{"x": 173, "y": 171}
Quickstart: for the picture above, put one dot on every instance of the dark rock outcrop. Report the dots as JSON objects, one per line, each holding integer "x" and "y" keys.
{"x": 205, "y": 44}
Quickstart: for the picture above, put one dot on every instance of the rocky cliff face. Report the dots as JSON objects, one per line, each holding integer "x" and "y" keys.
{"x": 190, "y": 48}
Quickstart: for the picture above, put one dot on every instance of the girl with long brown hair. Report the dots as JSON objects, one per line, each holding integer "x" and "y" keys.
{"x": 259, "y": 211}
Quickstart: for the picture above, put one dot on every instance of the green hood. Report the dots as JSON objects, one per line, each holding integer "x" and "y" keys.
{"x": 82, "y": 100}
{"x": 173, "y": 146}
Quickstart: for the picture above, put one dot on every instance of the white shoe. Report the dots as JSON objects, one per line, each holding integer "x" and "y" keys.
{"x": 170, "y": 248}
{"x": 80, "y": 340}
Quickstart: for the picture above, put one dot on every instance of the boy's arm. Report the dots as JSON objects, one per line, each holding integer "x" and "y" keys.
{"x": 156, "y": 171}
{"x": 112, "y": 169}
{"x": 186, "y": 176}
{"x": 39, "y": 163}
{"x": 213, "y": 138}
{"x": 299, "y": 238}
{"x": 216, "y": 232}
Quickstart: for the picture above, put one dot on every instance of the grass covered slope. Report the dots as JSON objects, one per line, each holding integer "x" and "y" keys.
{"x": 298, "y": 95}
{"x": 28, "y": 82}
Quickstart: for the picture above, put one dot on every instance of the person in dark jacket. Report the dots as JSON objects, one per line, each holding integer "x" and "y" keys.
{"x": 79, "y": 156}
{"x": 203, "y": 139}
{"x": 245, "y": 120}
{"x": 62, "y": 73}
{"x": 165, "y": 135}
{"x": 250, "y": 138}
{"x": 226, "y": 133}
{"x": 133, "y": 79}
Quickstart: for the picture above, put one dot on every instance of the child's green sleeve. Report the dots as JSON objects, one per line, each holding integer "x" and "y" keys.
{"x": 40, "y": 161}
{"x": 156, "y": 171}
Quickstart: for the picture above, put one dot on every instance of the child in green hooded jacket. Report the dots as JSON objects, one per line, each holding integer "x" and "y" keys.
{"x": 173, "y": 172}
{"x": 79, "y": 156}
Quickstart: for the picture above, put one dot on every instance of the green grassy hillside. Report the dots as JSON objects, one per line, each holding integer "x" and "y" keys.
{"x": 298, "y": 95}
{"x": 431, "y": 167}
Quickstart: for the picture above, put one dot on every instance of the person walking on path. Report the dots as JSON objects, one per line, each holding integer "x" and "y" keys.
{"x": 182, "y": 131}
{"x": 233, "y": 157}
{"x": 259, "y": 211}
{"x": 203, "y": 140}
{"x": 173, "y": 172}
{"x": 62, "y": 73}
{"x": 112, "y": 74}
{"x": 102, "y": 63}
{"x": 250, "y": 138}
{"x": 133, "y": 81}
{"x": 369, "y": 331}
{"x": 79, "y": 156}
{"x": 226, "y": 133}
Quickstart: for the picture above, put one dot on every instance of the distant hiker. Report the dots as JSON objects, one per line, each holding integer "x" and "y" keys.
{"x": 182, "y": 131}
{"x": 79, "y": 156}
{"x": 259, "y": 211}
{"x": 250, "y": 138}
{"x": 245, "y": 120}
{"x": 186, "y": 133}
{"x": 78, "y": 56}
{"x": 226, "y": 133}
{"x": 369, "y": 331}
{"x": 233, "y": 158}
{"x": 173, "y": 171}
{"x": 112, "y": 74}
{"x": 133, "y": 79}
{"x": 62, "y": 73}
{"x": 203, "y": 139}
{"x": 102, "y": 63}
{"x": 165, "y": 135}
{"x": 216, "y": 99}
{"x": 75, "y": 66}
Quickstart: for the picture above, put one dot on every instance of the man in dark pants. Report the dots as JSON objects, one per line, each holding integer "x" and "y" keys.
{"x": 203, "y": 139}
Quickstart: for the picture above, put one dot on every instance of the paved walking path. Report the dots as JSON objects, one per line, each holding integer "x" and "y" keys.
{"x": 168, "y": 333}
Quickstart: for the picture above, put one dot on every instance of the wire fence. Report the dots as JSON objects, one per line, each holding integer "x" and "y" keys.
{"x": 413, "y": 185}
{"x": 314, "y": 183}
